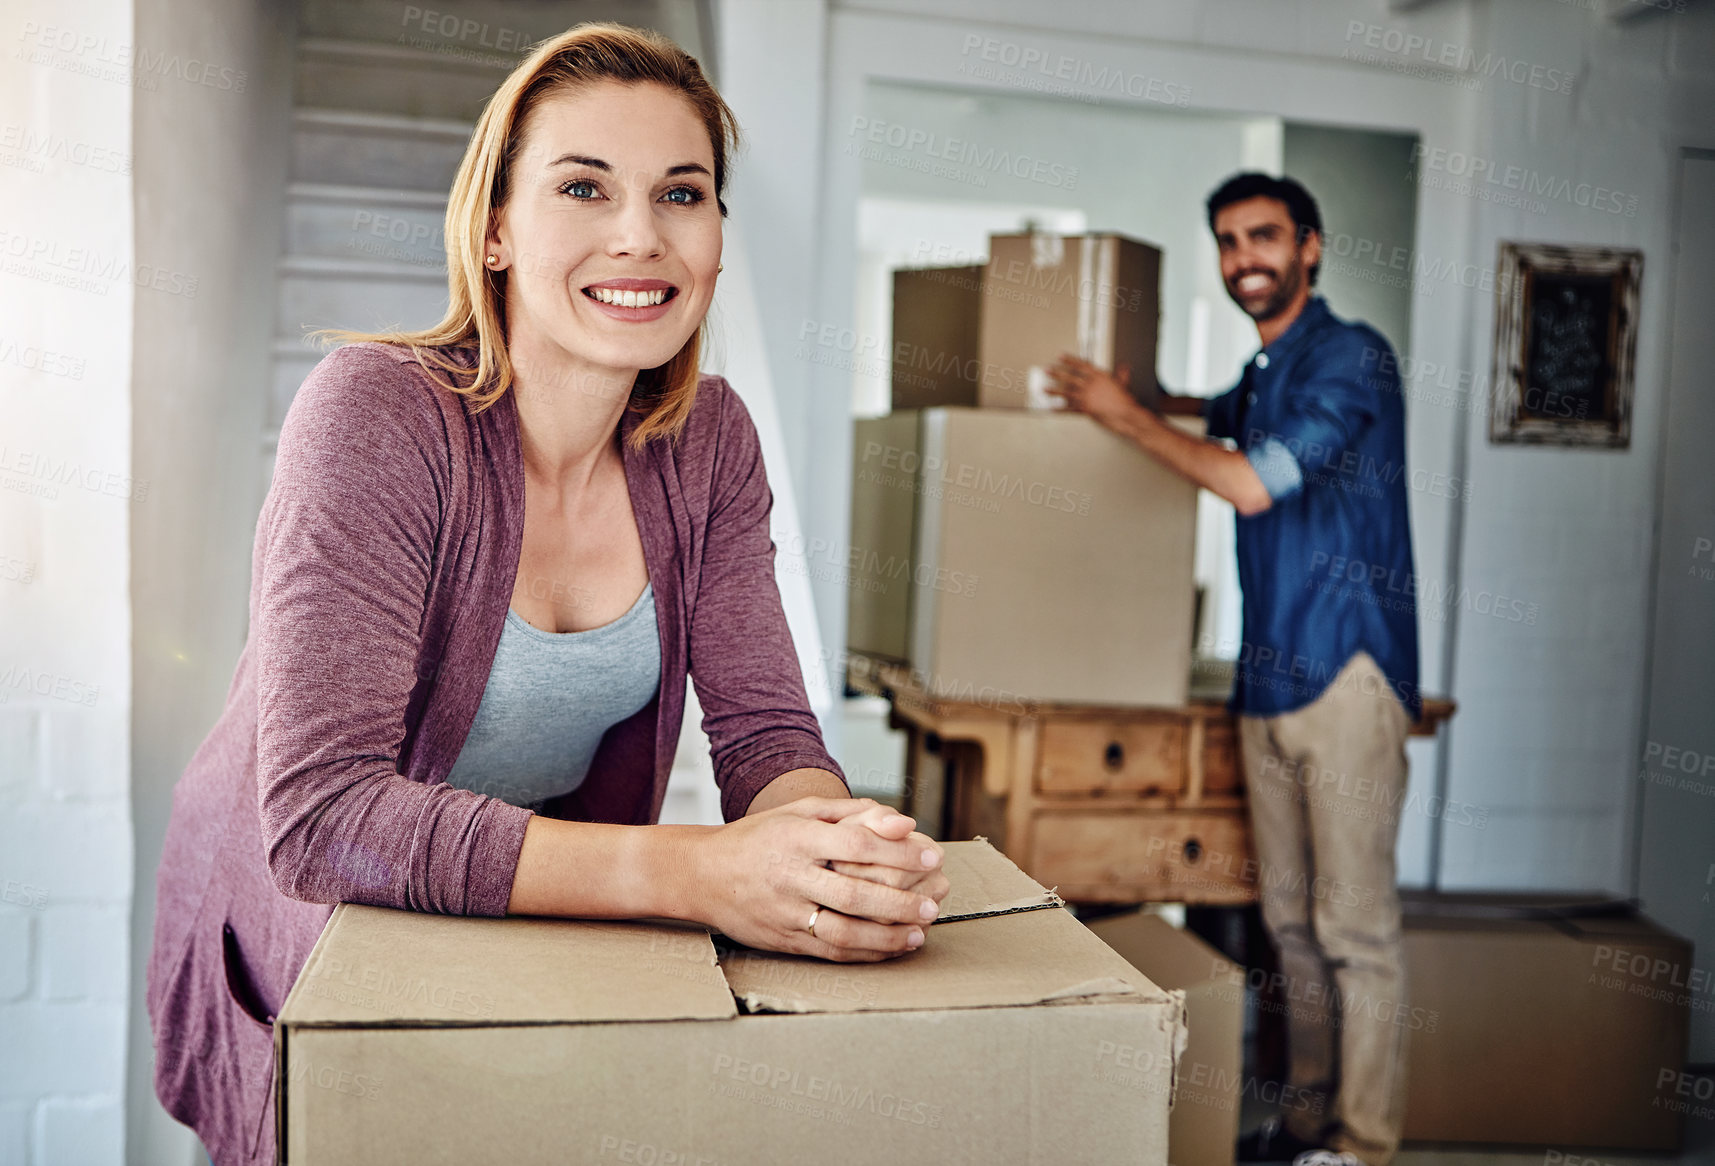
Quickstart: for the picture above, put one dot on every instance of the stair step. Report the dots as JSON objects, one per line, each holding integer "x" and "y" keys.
{"x": 316, "y": 292}
{"x": 357, "y": 228}
{"x": 480, "y": 26}
{"x": 397, "y": 79}
{"x": 372, "y": 195}
{"x": 335, "y": 147}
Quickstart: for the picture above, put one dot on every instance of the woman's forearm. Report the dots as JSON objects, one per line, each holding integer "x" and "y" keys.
{"x": 594, "y": 870}
{"x": 795, "y": 784}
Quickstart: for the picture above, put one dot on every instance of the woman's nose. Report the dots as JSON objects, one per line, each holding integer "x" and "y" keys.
{"x": 634, "y": 229}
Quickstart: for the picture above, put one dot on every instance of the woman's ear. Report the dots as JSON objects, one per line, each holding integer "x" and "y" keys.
{"x": 493, "y": 253}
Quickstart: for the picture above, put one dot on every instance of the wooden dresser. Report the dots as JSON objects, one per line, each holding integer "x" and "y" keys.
{"x": 1109, "y": 805}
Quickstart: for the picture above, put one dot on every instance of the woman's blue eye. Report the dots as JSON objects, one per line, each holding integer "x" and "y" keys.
{"x": 575, "y": 183}
{"x": 692, "y": 195}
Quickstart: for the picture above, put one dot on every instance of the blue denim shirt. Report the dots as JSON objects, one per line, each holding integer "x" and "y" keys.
{"x": 1326, "y": 570}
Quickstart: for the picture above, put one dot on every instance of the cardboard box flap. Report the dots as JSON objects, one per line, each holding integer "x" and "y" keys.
{"x": 997, "y": 961}
{"x": 987, "y": 882}
{"x": 1002, "y": 939}
{"x": 375, "y": 966}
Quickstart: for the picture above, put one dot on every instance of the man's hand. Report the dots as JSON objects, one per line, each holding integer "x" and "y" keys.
{"x": 1086, "y": 388}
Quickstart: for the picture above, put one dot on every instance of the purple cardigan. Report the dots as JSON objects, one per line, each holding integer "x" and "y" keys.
{"x": 383, "y": 569}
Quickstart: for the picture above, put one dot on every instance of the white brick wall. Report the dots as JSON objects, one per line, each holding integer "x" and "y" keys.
{"x": 65, "y": 633}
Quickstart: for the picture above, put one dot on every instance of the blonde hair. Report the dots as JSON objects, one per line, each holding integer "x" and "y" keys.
{"x": 582, "y": 55}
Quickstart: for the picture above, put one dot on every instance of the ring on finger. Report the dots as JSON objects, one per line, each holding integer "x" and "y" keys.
{"x": 811, "y": 925}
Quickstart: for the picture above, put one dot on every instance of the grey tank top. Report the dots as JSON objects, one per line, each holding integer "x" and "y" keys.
{"x": 550, "y": 696}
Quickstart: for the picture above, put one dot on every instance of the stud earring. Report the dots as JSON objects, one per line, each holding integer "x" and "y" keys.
{"x": 493, "y": 259}
{"x": 720, "y": 268}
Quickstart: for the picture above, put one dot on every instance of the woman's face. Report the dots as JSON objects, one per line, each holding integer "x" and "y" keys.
{"x": 610, "y": 235}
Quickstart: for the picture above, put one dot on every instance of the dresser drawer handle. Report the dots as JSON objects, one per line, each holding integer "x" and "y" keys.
{"x": 1114, "y": 755}
{"x": 1193, "y": 851}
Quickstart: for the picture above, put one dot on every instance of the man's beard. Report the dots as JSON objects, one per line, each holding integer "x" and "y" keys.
{"x": 1286, "y": 285}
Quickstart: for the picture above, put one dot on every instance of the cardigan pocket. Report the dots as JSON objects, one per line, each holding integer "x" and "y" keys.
{"x": 238, "y": 985}
{"x": 255, "y": 1039}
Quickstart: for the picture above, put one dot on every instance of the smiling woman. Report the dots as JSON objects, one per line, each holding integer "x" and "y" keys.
{"x": 492, "y": 553}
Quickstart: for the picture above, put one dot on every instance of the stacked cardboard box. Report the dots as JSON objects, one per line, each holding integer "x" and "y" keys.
{"x": 1533, "y": 1021}
{"x": 1005, "y": 549}
{"x": 1012, "y": 1035}
{"x": 1203, "y": 1128}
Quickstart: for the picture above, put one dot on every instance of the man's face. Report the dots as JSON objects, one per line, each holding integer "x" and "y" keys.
{"x": 1263, "y": 264}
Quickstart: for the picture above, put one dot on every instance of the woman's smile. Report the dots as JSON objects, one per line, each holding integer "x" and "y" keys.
{"x": 632, "y": 300}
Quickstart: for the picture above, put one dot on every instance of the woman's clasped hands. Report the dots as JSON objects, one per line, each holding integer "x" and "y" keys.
{"x": 844, "y": 879}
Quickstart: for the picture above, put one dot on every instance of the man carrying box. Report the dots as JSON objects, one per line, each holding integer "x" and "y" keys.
{"x": 1326, "y": 677}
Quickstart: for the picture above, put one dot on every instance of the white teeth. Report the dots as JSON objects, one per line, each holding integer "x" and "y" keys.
{"x": 629, "y": 299}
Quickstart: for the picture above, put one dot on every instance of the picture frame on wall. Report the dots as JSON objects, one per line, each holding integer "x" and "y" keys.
{"x": 1566, "y": 328}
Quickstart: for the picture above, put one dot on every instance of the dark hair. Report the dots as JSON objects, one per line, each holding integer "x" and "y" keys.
{"x": 1300, "y": 204}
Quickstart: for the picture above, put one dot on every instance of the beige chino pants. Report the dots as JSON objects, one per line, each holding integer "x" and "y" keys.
{"x": 1326, "y": 785}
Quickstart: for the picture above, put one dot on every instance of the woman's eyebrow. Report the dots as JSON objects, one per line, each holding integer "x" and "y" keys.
{"x": 598, "y": 164}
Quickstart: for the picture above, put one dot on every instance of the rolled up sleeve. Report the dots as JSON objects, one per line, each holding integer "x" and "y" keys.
{"x": 1319, "y": 427}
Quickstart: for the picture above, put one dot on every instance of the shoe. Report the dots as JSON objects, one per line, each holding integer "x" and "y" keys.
{"x": 1273, "y": 1142}
{"x": 1328, "y": 1158}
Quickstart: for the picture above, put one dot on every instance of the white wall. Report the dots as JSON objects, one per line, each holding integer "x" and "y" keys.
{"x": 210, "y": 179}
{"x": 1545, "y": 744}
{"x": 67, "y": 286}
{"x": 1676, "y": 771}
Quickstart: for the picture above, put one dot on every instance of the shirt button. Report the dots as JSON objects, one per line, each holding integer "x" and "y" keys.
{"x": 1250, "y": 398}
{"x": 1262, "y": 360}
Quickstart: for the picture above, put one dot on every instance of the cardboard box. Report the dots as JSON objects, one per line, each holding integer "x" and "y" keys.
{"x": 1533, "y": 1024}
{"x": 1013, "y": 1035}
{"x": 878, "y": 569}
{"x": 1203, "y": 1128}
{"x": 936, "y": 313}
{"x": 1098, "y": 296}
{"x": 1053, "y": 562}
